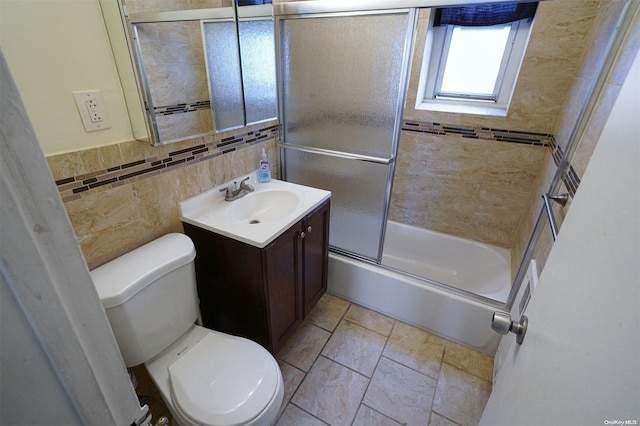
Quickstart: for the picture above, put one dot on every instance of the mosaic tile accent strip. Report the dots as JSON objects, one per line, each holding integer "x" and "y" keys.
{"x": 181, "y": 108}
{"x": 570, "y": 179}
{"x": 486, "y": 133}
{"x": 73, "y": 187}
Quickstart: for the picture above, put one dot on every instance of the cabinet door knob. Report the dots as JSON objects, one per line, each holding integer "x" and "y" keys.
{"x": 302, "y": 234}
{"x": 309, "y": 229}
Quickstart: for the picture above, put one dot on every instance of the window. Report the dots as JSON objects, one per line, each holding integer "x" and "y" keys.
{"x": 472, "y": 57}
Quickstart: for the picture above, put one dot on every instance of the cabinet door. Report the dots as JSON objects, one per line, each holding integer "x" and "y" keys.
{"x": 283, "y": 275}
{"x": 230, "y": 285}
{"x": 315, "y": 252}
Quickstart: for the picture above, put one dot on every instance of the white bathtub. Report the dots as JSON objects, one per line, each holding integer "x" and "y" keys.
{"x": 468, "y": 265}
{"x": 446, "y": 312}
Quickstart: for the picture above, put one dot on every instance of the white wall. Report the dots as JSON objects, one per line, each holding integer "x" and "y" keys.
{"x": 579, "y": 362}
{"x": 40, "y": 39}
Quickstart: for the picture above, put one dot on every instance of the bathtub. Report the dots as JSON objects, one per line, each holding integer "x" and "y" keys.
{"x": 475, "y": 267}
{"x": 451, "y": 313}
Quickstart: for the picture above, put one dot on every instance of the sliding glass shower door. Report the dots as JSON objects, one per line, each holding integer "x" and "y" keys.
{"x": 341, "y": 82}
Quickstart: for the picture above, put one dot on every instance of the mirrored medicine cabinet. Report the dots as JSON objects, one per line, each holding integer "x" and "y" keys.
{"x": 187, "y": 70}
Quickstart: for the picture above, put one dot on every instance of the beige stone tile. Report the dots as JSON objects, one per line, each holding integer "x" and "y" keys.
{"x": 294, "y": 416}
{"x": 460, "y": 396}
{"x": 514, "y": 166}
{"x": 369, "y": 319}
{"x": 302, "y": 349}
{"x": 415, "y": 348}
{"x": 65, "y": 165}
{"x": 355, "y": 347}
{"x": 328, "y": 311}
{"x": 468, "y": 360}
{"x": 331, "y": 392}
{"x": 438, "y": 420}
{"x": 107, "y": 224}
{"x": 292, "y": 378}
{"x": 400, "y": 393}
{"x": 100, "y": 158}
{"x": 132, "y": 151}
{"x": 158, "y": 196}
{"x": 369, "y": 417}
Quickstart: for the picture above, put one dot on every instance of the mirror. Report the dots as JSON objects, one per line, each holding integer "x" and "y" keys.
{"x": 195, "y": 71}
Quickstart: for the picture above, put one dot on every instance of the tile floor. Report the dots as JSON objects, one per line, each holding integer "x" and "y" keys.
{"x": 348, "y": 365}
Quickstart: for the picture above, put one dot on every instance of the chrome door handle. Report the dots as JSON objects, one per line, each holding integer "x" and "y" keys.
{"x": 501, "y": 323}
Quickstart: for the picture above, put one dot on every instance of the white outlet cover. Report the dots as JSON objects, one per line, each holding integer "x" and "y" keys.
{"x": 81, "y": 99}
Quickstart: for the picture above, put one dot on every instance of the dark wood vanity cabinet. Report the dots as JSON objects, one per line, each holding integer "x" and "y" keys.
{"x": 262, "y": 294}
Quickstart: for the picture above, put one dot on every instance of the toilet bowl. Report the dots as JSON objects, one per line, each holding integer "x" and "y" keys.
{"x": 205, "y": 377}
{"x": 212, "y": 378}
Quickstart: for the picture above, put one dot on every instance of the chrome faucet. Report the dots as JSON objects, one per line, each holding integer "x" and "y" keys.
{"x": 236, "y": 192}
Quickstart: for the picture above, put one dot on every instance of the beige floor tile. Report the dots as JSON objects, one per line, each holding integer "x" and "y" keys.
{"x": 292, "y": 378}
{"x": 370, "y": 319}
{"x": 438, "y": 420}
{"x": 355, "y": 347}
{"x": 369, "y": 417}
{"x": 302, "y": 349}
{"x": 328, "y": 312}
{"x": 294, "y": 416}
{"x": 400, "y": 393}
{"x": 331, "y": 392}
{"x": 415, "y": 348}
{"x": 468, "y": 360}
{"x": 460, "y": 396}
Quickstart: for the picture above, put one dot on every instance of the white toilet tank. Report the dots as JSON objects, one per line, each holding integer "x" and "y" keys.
{"x": 150, "y": 296}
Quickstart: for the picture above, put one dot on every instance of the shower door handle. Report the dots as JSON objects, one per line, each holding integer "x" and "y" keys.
{"x": 338, "y": 154}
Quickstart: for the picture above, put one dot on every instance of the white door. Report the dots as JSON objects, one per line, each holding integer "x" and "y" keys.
{"x": 59, "y": 363}
{"x": 579, "y": 363}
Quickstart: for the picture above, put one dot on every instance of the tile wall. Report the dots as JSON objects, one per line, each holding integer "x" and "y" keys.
{"x": 505, "y": 179}
{"x": 604, "y": 16}
{"x": 121, "y": 196}
{"x": 472, "y": 183}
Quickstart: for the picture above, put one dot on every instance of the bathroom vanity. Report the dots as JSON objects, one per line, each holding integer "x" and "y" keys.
{"x": 260, "y": 289}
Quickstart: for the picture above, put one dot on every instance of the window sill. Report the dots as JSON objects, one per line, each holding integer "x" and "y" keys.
{"x": 460, "y": 108}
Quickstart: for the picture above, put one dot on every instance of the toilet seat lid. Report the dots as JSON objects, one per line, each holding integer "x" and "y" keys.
{"x": 223, "y": 380}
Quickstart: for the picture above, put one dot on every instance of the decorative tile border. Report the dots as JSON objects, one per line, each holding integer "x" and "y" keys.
{"x": 181, "y": 108}
{"x": 74, "y": 187}
{"x": 570, "y": 179}
{"x": 486, "y": 133}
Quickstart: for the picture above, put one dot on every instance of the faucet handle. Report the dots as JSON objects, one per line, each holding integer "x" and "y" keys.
{"x": 229, "y": 188}
{"x": 246, "y": 186}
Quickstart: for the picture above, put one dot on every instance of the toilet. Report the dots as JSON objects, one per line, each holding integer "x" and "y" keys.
{"x": 205, "y": 377}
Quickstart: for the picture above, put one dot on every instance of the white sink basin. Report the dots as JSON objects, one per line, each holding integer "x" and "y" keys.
{"x": 264, "y": 206}
{"x": 257, "y": 218}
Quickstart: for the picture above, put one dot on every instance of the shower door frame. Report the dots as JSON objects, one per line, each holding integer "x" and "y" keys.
{"x": 594, "y": 93}
{"x": 303, "y": 10}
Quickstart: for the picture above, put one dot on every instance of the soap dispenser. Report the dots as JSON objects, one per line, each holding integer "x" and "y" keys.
{"x": 264, "y": 173}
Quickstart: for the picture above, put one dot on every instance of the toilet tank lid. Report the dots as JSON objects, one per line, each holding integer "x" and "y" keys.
{"x": 119, "y": 280}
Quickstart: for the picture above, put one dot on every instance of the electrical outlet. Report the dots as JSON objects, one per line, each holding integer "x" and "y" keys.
{"x": 91, "y": 108}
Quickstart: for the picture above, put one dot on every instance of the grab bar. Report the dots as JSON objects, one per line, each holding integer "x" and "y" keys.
{"x": 558, "y": 198}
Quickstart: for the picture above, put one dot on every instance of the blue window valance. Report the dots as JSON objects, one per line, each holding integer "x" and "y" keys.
{"x": 481, "y": 15}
